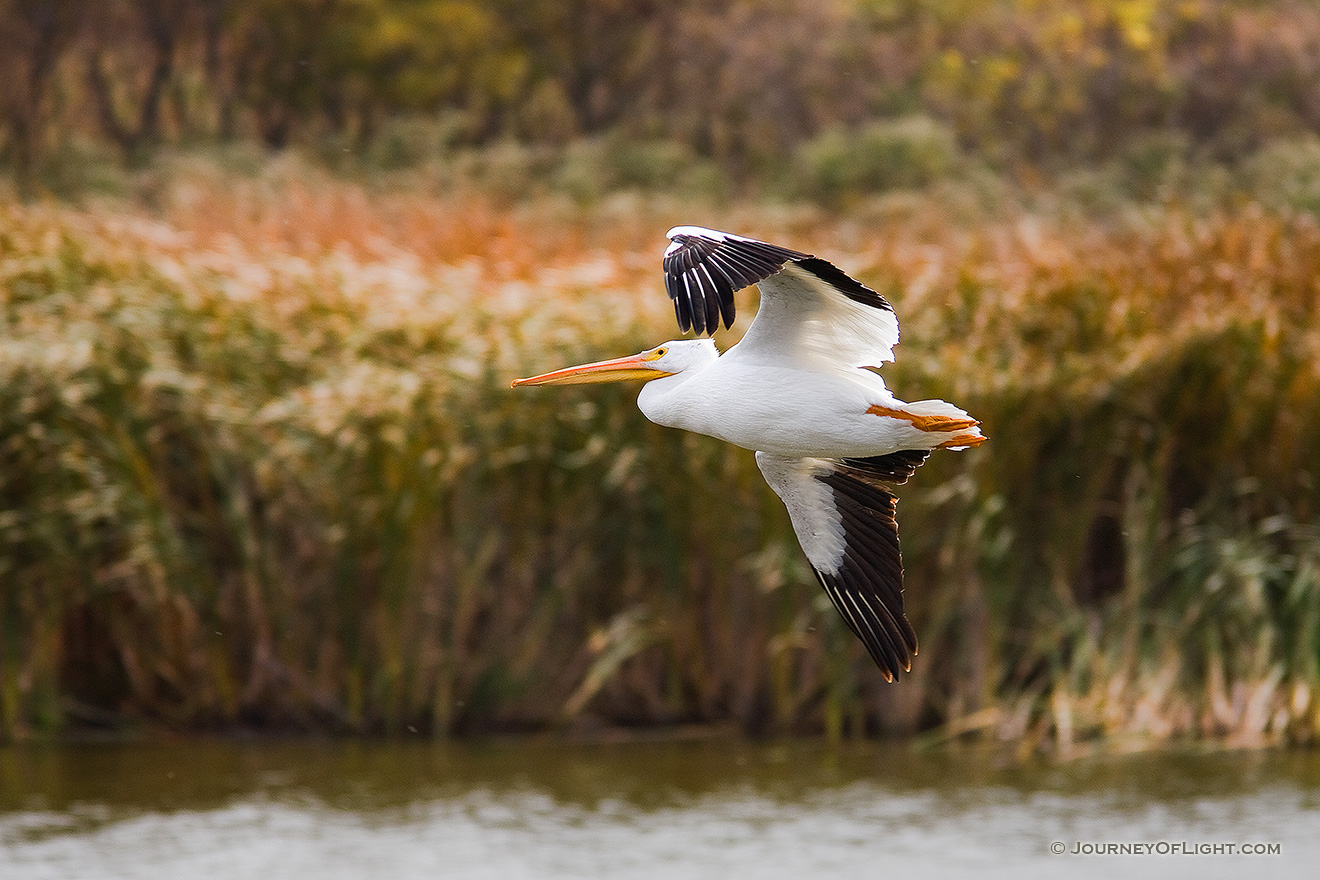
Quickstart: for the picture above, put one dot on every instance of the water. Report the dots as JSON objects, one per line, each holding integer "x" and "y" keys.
{"x": 714, "y": 809}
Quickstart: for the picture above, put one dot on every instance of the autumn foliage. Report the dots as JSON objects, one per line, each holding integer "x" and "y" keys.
{"x": 268, "y": 266}
{"x": 260, "y": 464}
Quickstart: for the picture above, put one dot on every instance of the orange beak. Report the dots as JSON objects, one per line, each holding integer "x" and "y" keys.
{"x": 634, "y": 366}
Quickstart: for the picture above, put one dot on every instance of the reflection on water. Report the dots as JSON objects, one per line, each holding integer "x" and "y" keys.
{"x": 541, "y": 809}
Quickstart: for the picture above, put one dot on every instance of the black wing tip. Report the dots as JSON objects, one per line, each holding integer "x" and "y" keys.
{"x": 707, "y": 266}
{"x": 891, "y": 645}
{"x": 867, "y": 588}
{"x": 844, "y": 283}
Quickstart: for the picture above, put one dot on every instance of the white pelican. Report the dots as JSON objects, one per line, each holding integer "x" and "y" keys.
{"x": 802, "y": 390}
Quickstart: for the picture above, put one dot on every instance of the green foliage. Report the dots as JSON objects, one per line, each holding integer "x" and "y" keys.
{"x": 1285, "y": 174}
{"x": 77, "y": 169}
{"x": 405, "y": 142}
{"x": 590, "y": 170}
{"x": 843, "y": 164}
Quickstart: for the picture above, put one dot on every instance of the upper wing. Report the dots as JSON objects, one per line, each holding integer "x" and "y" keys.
{"x": 845, "y": 523}
{"x": 703, "y": 267}
{"x": 810, "y": 310}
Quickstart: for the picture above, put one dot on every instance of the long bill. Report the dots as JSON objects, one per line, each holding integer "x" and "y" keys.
{"x": 634, "y": 366}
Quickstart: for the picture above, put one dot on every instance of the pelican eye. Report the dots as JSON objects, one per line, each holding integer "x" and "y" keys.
{"x": 658, "y": 353}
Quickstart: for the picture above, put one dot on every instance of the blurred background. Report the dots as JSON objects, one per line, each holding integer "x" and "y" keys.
{"x": 292, "y": 583}
{"x": 268, "y": 266}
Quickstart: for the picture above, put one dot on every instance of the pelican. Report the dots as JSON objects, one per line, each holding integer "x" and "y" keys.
{"x": 802, "y": 390}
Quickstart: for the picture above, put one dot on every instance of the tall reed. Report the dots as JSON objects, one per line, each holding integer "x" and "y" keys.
{"x": 259, "y": 464}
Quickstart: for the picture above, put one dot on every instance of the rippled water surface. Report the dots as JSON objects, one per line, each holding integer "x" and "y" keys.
{"x": 727, "y": 810}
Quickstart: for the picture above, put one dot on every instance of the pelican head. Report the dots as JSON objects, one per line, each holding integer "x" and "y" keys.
{"x": 668, "y": 359}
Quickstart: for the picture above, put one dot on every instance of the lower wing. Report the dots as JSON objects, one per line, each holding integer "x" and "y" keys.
{"x": 844, "y": 519}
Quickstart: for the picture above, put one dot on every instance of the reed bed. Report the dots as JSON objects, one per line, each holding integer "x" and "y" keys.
{"x": 260, "y": 466}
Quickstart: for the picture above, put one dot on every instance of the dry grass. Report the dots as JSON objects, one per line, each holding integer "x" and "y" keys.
{"x": 259, "y": 464}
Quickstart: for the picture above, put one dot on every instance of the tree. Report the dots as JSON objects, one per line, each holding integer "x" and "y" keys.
{"x": 126, "y": 92}
{"x": 34, "y": 35}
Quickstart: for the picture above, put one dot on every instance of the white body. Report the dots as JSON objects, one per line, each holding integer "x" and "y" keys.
{"x": 784, "y": 410}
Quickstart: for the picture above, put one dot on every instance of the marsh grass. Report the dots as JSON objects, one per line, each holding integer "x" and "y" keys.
{"x": 260, "y": 465}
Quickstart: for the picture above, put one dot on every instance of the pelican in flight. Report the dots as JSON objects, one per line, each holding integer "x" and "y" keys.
{"x": 802, "y": 390}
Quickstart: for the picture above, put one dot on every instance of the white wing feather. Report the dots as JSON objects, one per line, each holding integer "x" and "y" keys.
{"x": 807, "y": 320}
